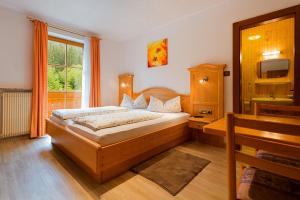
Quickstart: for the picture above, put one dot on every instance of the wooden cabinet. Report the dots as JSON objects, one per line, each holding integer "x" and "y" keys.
{"x": 207, "y": 90}
{"x": 125, "y": 85}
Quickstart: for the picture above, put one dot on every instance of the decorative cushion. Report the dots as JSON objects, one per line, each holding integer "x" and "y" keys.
{"x": 172, "y": 105}
{"x": 138, "y": 103}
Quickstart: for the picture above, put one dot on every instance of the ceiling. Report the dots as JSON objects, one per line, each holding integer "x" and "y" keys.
{"x": 118, "y": 20}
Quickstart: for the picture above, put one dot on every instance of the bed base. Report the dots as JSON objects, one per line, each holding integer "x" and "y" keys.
{"x": 106, "y": 162}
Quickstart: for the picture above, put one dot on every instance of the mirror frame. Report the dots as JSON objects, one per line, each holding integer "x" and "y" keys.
{"x": 256, "y": 21}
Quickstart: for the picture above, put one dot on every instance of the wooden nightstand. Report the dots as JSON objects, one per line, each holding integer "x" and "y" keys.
{"x": 196, "y": 124}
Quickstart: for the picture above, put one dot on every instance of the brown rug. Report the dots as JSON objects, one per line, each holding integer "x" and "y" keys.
{"x": 172, "y": 170}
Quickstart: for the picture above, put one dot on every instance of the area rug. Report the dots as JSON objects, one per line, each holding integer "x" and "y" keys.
{"x": 172, "y": 170}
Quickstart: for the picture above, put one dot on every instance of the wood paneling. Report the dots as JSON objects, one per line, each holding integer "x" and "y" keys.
{"x": 277, "y": 35}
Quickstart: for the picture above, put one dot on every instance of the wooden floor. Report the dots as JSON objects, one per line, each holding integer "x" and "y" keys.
{"x": 33, "y": 169}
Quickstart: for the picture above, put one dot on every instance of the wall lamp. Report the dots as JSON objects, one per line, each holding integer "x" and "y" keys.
{"x": 123, "y": 85}
{"x": 204, "y": 79}
{"x": 271, "y": 53}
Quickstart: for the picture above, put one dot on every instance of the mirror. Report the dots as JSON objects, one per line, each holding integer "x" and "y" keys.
{"x": 274, "y": 68}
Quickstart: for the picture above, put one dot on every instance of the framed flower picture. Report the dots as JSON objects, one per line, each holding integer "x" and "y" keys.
{"x": 158, "y": 53}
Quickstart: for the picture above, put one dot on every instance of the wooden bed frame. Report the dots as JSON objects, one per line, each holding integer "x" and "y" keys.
{"x": 106, "y": 162}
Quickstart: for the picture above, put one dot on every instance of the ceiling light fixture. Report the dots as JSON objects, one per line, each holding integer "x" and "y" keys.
{"x": 254, "y": 37}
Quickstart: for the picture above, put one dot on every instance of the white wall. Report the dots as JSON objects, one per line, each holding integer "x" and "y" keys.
{"x": 110, "y": 63}
{"x": 204, "y": 37}
{"x": 16, "y": 47}
{"x": 15, "y": 50}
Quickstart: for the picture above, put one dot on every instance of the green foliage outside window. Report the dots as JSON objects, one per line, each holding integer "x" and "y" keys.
{"x": 64, "y": 67}
{"x": 56, "y": 53}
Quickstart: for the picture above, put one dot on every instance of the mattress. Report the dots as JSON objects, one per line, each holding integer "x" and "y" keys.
{"x": 116, "y": 134}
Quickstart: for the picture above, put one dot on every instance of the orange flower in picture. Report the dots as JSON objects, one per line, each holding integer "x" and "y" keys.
{"x": 158, "y": 53}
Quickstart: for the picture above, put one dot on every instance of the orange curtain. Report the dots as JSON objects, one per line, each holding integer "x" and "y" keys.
{"x": 39, "y": 90}
{"x": 95, "y": 72}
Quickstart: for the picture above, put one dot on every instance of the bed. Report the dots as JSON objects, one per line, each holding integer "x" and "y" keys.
{"x": 104, "y": 156}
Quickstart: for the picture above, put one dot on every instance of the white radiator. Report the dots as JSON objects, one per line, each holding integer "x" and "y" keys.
{"x": 15, "y": 113}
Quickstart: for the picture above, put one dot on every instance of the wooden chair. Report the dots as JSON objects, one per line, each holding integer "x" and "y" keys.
{"x": 277, "y": 110}
{"x": 234, "y": 155}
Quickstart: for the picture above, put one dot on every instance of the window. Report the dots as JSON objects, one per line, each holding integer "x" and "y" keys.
{"x": 65, "y": 60}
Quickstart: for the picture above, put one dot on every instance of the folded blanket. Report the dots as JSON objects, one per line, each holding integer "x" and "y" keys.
{"x": 72, "y": 113}
{"x": 97, "y": 122}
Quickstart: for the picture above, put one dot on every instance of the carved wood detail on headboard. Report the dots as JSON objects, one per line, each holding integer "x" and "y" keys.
{"x": 165, "y": 94}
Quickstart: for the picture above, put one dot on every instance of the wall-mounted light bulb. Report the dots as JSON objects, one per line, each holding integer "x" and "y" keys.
{"x": 203, "y": 80}
{"x": 123, "y": 85}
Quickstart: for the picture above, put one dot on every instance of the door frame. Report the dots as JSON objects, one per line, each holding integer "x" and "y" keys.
{"x": 259, "y": 20}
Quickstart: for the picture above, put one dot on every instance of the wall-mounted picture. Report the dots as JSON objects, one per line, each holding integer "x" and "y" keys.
{"x": 158, "y": 53}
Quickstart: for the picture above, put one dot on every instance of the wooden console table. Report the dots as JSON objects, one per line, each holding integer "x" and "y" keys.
{"x": 197, "y": 124}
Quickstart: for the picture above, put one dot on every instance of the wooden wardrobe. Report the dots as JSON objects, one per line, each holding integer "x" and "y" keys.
{"x": 207, "y": 90}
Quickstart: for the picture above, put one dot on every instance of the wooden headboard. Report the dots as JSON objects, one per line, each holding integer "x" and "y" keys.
{"x": 165, "y": 94}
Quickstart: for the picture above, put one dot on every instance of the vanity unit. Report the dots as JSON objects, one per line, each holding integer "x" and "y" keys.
{"x": 273, "y": 84}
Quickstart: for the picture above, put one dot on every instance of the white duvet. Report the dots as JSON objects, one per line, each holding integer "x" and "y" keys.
{"x": 97, "y": 122}
{"x": 73, "y": 113}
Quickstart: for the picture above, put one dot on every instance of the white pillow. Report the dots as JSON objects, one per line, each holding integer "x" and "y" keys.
{"x": 126, "y": 101}
{"x": 155, "y": 105}
{"x": 138, "y": 103}
{"x": 172, "y": 105}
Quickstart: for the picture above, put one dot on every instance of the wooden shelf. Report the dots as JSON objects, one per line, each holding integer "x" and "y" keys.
{"x": 272, "y": 81}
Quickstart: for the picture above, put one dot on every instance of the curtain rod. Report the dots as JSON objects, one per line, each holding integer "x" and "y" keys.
{"x": 59, "y": 28}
